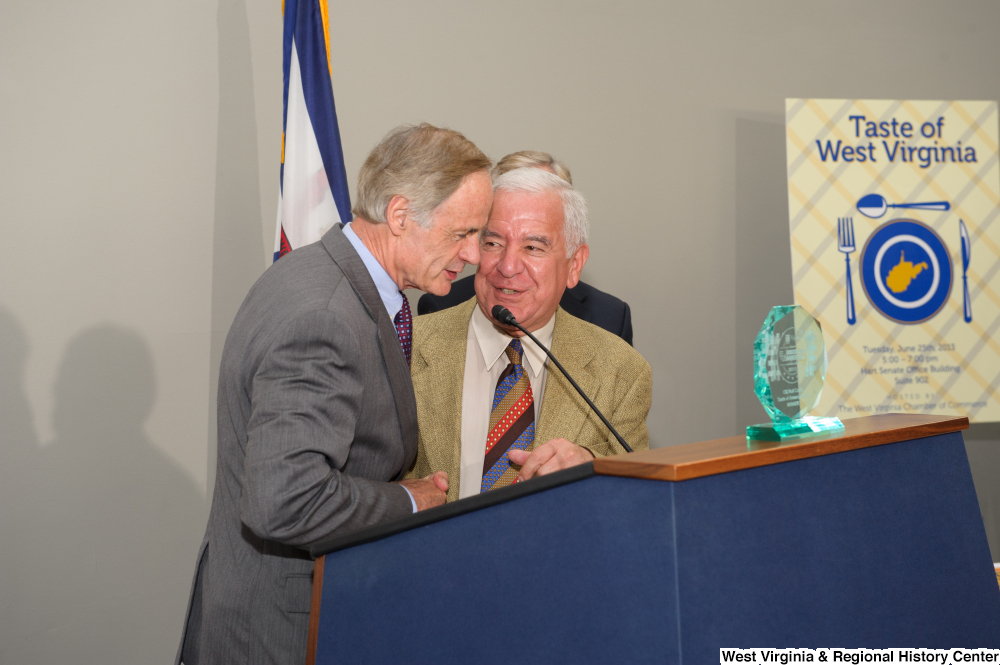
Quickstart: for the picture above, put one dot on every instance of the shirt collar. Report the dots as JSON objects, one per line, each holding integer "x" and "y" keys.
{"x": 387, "y": 289}
{"x": 492, "y": 342}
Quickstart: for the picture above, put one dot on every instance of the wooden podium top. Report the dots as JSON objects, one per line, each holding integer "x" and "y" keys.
{"x": 707, "y": 458}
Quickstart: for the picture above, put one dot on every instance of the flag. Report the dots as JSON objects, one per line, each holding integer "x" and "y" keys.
{"x": 313, "y": 193}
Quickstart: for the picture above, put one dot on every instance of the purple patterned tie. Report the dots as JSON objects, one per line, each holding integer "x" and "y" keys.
{"x": 404, "y": 328}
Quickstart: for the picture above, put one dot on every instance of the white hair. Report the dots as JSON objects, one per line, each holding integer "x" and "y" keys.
{"x": 531, "y": 180}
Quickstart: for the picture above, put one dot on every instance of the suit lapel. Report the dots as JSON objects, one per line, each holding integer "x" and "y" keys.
{"x": 344, "y": 254}
{"x": 564, "y": 412}
{"x": 438, "y": 375}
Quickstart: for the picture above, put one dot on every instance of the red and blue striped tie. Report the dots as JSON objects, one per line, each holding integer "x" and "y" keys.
{"x": 512, "y": 421}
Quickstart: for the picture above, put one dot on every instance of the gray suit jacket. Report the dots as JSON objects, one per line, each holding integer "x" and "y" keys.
{"x": 316, "y": 412}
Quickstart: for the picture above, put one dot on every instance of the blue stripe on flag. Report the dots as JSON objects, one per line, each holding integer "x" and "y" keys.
{"x": 310, "y": 43}
{"x": 286, "y": 68}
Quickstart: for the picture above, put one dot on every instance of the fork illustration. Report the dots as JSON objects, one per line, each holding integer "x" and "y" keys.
{"x": 845, "y": 242}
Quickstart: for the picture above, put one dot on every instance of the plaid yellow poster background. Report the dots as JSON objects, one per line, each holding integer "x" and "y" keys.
{"x": 944, "y": 364}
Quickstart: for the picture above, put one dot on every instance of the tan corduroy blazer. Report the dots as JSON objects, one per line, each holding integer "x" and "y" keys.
{"x": 611, "y": 372}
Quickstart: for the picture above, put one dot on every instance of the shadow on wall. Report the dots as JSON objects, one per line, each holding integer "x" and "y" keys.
{"x": 236, "y": 240}
{"x": 100, "y": 555}
{"x": 982, "y": 445}
{"x": 763, "y": 247}
{"x": 18, "y": 448}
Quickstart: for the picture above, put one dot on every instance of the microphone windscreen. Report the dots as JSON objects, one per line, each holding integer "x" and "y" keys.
{"x": 503, "y": 315}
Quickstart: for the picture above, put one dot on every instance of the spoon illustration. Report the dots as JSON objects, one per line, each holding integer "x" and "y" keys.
{"x": 875, "y": 205}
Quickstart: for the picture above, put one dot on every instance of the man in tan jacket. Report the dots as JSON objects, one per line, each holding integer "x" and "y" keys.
{"x": 489, "y": 411}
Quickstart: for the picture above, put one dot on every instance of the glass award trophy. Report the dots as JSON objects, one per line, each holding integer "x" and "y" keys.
{"x": 789, "y": 369}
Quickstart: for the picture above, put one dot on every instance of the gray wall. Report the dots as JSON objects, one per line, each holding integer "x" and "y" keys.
{"x": 138, "y": 189}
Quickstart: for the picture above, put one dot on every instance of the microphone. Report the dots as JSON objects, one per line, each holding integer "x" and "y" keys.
{"x": 503, "y": 315}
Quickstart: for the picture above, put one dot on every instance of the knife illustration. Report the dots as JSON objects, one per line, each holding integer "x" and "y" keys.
{"x": 966, "y": 253}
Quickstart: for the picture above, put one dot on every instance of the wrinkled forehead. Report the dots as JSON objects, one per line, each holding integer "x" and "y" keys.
{"x": 517, "y": 215}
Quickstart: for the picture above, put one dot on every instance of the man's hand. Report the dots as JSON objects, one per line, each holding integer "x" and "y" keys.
{"x": 429, "y": 491}
{"x": 553, "y": 455}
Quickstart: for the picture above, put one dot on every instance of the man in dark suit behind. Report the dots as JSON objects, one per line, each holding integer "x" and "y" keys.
{"x": 316, "y": 410}
{"x": 582, "y": 301}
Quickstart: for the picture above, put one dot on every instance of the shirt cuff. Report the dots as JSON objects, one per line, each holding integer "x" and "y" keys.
{"x": 413, "y": 501}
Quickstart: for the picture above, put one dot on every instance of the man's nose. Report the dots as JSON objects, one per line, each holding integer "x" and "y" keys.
{"x": 469, "y": 251}
{"x": 509, "y": 263}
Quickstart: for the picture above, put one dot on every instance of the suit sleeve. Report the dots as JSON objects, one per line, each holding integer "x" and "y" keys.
{"x": 305, "y": 403}
{"x": 633, "y": 399}
{"x": 633, "y": 394}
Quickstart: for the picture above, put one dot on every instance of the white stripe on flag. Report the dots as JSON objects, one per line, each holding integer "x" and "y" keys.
{"x": 306, "y": 208}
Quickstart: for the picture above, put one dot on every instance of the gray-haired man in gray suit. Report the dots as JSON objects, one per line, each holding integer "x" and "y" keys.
{"x": 317, "y": 419}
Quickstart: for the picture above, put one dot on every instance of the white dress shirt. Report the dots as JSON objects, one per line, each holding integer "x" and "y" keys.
{"x": 387, "y": 290}
{"x": 485, "y": 361}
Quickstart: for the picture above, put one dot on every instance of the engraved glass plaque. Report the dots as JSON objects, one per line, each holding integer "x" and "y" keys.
{"x": 789, "y": 369}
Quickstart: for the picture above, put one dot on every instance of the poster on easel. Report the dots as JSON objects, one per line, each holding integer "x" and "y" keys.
{"x": 894, "y": 215}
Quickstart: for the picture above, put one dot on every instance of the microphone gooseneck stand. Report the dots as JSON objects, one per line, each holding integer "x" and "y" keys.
{"x": 503, "y": 315}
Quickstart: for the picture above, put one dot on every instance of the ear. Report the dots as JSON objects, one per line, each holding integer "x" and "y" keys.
{"x": 577, "y": 261}
{"x": 397, "y": 214}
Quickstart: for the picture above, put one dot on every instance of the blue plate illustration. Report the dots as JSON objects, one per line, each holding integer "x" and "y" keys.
{"x": 906, "y": 271}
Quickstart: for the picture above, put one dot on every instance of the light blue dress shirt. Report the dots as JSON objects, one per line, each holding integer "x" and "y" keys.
{"x": 387, "y": 290}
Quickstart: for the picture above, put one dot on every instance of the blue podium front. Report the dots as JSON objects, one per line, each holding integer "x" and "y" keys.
{"x": 875, "y": 546}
